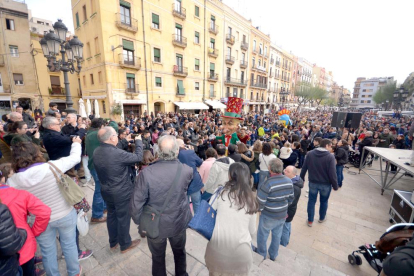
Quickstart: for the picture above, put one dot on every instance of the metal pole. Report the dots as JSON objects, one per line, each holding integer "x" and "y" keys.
{"x": 145, "y": 56}
{"x": 65, "y": 69}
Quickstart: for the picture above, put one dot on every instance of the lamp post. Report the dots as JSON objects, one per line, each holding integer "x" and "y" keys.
{"x": 386, "y": 104}
{"x": 399, "y": 97}
{"x": 73, "y": 49}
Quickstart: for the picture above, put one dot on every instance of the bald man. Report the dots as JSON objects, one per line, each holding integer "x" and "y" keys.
{"x": 292, "y": 173}
{"x": 113, "y": 166}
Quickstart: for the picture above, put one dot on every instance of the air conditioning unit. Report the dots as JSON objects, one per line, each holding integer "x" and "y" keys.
{"x": 34, "y": 29}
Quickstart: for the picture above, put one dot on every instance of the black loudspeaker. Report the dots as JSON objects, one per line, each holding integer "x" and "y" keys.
{"x": 338, "y": 119}
{"x": 353, "y": 120}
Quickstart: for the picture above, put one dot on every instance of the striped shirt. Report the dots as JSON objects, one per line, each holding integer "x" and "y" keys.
{"x": 275, "y": 195}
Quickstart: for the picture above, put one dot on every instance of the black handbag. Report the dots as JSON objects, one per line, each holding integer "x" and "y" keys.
{"x": 150, "y": 218}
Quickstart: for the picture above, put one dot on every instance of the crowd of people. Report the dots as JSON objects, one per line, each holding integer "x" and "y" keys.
{"x": 131, "y": 164}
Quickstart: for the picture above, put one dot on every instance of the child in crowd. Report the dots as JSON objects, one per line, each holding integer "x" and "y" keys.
{"x": 147, "y": 159}
{"x": 285, "y": 151}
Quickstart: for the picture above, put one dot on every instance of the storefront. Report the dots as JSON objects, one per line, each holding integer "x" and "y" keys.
{"x": 5, "y": 106}
{"x": 214, "y": 104}
{"x": 190, "y": 107}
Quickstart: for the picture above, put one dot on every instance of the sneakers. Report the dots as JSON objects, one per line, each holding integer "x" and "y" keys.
{"x": 98, "y": 220}
{"x": 134, "y": 243}
{"x": 40, "y": 272}
{"x": 309, "y": 223}
{"x": 323, "y": 220}
{"x": 85, "y": 254}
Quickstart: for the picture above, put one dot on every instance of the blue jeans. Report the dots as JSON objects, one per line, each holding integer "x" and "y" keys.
{"x": 301, "y": 160}
{"x": 263, "y": 175}
{"x": 324, "y": 191}
{"x": 66, "y": 227}
{"x": 287, "y": 228}
{"x": 196, "y": 200}
{"x": 255, "y": 179}
{"x": 267, "y": 224}
{"x": 98, "y": 204}
{"x": 340, "y": 174}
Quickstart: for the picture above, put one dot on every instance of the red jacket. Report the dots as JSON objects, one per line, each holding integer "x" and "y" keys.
{"x": 21, "y": 203}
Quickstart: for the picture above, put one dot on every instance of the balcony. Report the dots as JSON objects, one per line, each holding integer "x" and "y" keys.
{"x": 179, "y": 41}
{"x": 243, "y": 64}
{"x": 213, "y": 52}
{"x": 124, "y": 62}
{"x": 179, "y": 11}
{"x": 272, "y": 60}
{"x": 229, "y": 60}
{"x": 213, "y": 29}
{"x": 132, "y": 90}
{"x": 126, "y": 23}
{"x": 244, "y": 46}
{"x": 258, "y": 85}
{"x": 55, "y": 90}
{"x": 180, "y": 71}
{"x": 272, "y": 90}
{"x": 235, "y": 82}
{"x": 255, "y": 51}
{"x": 278, "y": 63}
{"x": 213, "y": 77}
{"x": 230, "y": 39}
{"x": 277, "y": 76}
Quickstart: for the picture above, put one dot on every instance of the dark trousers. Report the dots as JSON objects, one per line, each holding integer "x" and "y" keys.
{"x": 118, "y": 222}
{"x": 158, "y": 247}
{"x": 29, "y": 267}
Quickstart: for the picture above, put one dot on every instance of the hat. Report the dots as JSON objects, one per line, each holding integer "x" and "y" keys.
{"x": 234, "y": 107}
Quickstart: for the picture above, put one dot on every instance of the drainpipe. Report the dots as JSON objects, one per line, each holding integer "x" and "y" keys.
{"x": 204, "y": 76}
{"x": 145, "y": 55}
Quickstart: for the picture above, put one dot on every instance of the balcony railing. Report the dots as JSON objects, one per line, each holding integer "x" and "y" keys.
{"x": 244, "y": 45}
{"x": 56, "y": 90}
{"x": 213, "y": 29}
{"x": 229, "y": 59}
{"x": 230, "y": 39}
{"x": 132, "y": 90}
{"x": 272, "y": 60}
{"x": 126, "y": 62}
{"x": 126, "y": 23}
{"x": 180, "y": 71}
{"x": 243, "y": 63}
{"x": 179, "y": 11}
{"x": 213, "y": 77}
{"x": 213, "y": 52}
{"x": 179, "y": 40}
{"x": 258, "y": 85}
{"x": 272, "y": 90}
{"x": 277, "y": 63}
{"x": 255, "y": 51}
{"x": 236, "y": 82}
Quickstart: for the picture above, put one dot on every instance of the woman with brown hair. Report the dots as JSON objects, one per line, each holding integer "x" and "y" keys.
{"x": 253, "y": 166}
{"x": 264, "y": 160}
{"x": 229, "y": 251}
{"x": 18, "y": 134}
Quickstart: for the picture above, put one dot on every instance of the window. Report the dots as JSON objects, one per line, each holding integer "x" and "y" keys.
{"x": 197, "y": 37}
{"x": 197, "y": 86}
{"x": 235, "y": 91}
{"x": 253, "y": 62}
{"x": 254, "y": 45}
{"x": 260, "y": 48}
{"x": 213, "y": 22}
{"x": 227, "y": 91}
{"x": 241, "y": 94}
{"x": 84, "y": 80}
{"x": 103, "y": 107}
{"x": 237, "y": 35}
{"x": 88, "y": 49}
{"x": 85, "y": 16}
{"x": 230, "y": 30}
{"x": 14, "y": 51}
{"x": 265, "y": 52}
{"x": 264, "y": 64}
{"x": 157, "y": 55}
{"x": 18, "y": 79}
{"x": 125, "y": 13}
{"x": 130, "y": 82}
{"x": 155, "y": 21}
{"x": 212, "y": 68}
{"x": 229, "y": 52}
{"x": 91, "y": 76}
{"x": 180, "y": 87}
{"x": 158, "y": 82}
{"x": 10, "y": 24}
{"x": 97, "y": 51}
{"x": 77, "y": 20}
{"x": 212, "y": 43}
{"x": 211, "y": 90}
{"x": 197, "y": 64}
{"x": 55, "y": 85}
{"x": 100, "y": 77}
{"x": 197, "y": 11}
{"x": 178, "y": 32}
{"x": 128, "y": 51}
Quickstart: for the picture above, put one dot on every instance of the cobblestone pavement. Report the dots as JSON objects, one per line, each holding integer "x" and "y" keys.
{"x": 357, "y": 214}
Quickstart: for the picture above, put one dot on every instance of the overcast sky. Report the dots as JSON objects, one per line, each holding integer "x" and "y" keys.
{"x": 353, "y": 38}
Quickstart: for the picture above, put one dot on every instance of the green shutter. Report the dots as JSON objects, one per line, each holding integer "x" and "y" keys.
{"x": 155, "y": 18}
{"x": 157, "y": 80}
{"x": 131, "y": 76}
{"x": 124, "y": 3}
{"x": 212, "y": 40}
{"x": 180, "y": 56}
{"x": 77, "y": 20}
{"x": 212, "y": 66}
{"x": 213, "y": 18}
{"x": 197, "y": 11}
{"x": 128, "y": 45}
{"x": 178, "y": 26}
{"x": 157, "y": 53}
{"x": 180, "y": 87}
{"x": 197, "y": 34}
{"x": 197, "y": 61}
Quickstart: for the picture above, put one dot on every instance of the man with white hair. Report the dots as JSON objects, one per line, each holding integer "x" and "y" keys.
{"x": 113, "y": 166}
{"x": 152, "y": 187}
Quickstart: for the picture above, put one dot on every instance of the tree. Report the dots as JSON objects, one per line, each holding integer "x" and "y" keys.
{"x": 318, "y": 94}
{"x": 385, "y": 93}
{"x": 302, "y": 92}
{"x": 329, "y": 102}
{"x": 409, "y": 84}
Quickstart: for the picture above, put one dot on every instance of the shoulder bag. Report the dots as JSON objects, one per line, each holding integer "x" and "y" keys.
{"x": 150, "y": 218}
{"x": 205, "y": 219}
{"x": 71, "y": 191}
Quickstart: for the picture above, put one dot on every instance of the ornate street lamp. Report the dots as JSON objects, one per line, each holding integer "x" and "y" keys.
{"x": 71, "y": 53}
{"x": 400, "y": 95}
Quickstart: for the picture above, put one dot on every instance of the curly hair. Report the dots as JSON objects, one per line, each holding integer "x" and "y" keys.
{"x": 25, "y": 154}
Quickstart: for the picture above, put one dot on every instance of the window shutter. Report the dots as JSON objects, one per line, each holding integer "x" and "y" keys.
{"x": 131, "y": 76}
{"x": 212, "y": 66}
{"x": 77, "y": 20}
{"x": 18, "y": 77}
{"x": 178, "y": 26}
{"x": 128, "y": 45}
{"x": 155, "y": 18}
{"x": 125, "y": 4}
{"x": 55, "y": 80}
{"x": 197, "y": 34}
{"x": 180, "y": 87}
{"x": 157, "y": 52}
{"x": 179, "y": 56}
{"x": 197, "y": 11}
{"x": 197, "y": 62}
{"x": 157, "y": 79}
{"x": 213, "y": 18}
{"x": 213, "y": 40}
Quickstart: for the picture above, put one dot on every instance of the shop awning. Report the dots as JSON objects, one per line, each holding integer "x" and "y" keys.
{"x": 5, "y": 98}
{"x": 190, "y": 105}
{"x": 215, "y": 104}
